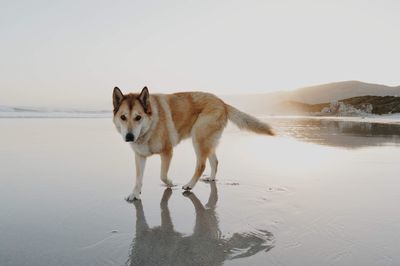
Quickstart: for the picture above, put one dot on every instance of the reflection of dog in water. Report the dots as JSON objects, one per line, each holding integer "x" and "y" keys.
{"x": 162, "y": 245}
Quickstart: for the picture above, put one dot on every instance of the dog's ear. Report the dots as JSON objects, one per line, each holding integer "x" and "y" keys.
{"x": 144, "y": 99}
{"x": 117, "y": 98}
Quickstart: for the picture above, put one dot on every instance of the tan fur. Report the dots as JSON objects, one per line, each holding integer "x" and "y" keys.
{"x": 248, "y": 122}
{"x": 169, "y": 118}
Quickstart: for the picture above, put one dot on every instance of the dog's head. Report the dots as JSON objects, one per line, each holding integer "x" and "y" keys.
{"x": 132, "y": 113}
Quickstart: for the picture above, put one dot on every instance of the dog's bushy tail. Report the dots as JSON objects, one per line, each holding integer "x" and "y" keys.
{"x": 248, "y": 122}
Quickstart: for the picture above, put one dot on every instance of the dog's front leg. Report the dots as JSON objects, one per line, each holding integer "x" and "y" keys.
{"x": 140, "y": 162}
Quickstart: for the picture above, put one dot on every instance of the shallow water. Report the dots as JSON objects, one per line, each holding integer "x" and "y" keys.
{"x": 321, "y": 193}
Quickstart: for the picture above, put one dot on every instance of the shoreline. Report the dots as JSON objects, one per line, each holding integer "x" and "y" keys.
{"x": 385, "y": 118}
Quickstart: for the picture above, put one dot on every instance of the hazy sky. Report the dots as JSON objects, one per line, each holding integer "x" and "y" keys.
{"x": 72, "y": 53}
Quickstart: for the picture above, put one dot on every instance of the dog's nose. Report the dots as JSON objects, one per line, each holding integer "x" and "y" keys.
{"x": 129, "y": 137}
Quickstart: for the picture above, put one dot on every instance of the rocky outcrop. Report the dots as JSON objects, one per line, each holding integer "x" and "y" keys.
{"x": 355, "y": 106}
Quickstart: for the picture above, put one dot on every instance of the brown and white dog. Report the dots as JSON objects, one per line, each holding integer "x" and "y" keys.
{"x": 156, "y": 123}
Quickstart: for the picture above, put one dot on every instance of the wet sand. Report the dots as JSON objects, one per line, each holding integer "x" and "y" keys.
{"x": 321, "y": 193}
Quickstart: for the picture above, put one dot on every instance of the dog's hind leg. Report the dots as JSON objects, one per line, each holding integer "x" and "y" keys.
{"x": 205, "y": 135}
{"x": 200, "y": 166}
{"x": 214, "y": 166}
{"x": 165, "y": 162}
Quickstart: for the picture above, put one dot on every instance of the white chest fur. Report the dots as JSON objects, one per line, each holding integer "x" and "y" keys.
{"x": 142, "y": 149}
{"x": 146, "y": 149}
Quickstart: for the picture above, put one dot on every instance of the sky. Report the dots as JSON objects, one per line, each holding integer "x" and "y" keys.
{"x": 73, "y": 53}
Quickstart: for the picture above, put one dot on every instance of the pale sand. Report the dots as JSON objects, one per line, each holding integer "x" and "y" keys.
{"x": 329, "y": 196}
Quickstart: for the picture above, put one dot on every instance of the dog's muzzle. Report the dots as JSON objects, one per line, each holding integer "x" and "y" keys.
{"x": 129, "y": 137}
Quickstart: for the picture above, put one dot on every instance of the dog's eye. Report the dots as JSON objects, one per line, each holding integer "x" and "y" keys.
{"x": 138, "y": 117}
{"x": 123, "y": 117}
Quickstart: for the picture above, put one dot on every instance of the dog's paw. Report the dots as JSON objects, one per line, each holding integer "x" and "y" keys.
{"x": 133, "y": 196}
{"x": 168, "y": 183}
{"x": 187, "y": 187}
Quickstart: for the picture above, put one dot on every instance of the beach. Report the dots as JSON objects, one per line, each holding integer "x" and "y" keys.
{"x": 322, "y": 192}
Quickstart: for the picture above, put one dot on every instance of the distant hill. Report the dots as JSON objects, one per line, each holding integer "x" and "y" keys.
{"x": 380, "y": 105}
{"x": 287, "y": 102}
{"x": 341, "y": 90}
